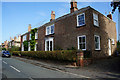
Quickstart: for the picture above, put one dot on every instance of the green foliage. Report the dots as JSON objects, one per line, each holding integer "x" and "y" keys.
{"x": 87, "y": 54}
{"x": 32, "y": 42}
{"x": 115, "y": 5}
{"x": 118, "y": 46}
{"x": 25, "y": 43}
{"x": 63, "y": 55}
{"x": 14, "y": 48}
{"x": 4, "y": 49}
{"x": 58, "y": 48}
{"x": 72, "y": 48}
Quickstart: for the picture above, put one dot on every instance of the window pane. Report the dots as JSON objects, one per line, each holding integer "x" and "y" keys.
{"x": 80, "y": 46}
{"x": 50, "y": 45}
{"x": 83, "y": 38}
{"x": 97, "y": 45}
{"x": 81, "y": 20}
{"x": 47, "y": 30}
{"x": 47, "y": 45}
{"x": 80, "y": 39}
{"x": 52, "y": 29}
{"x": 83, "y": 46}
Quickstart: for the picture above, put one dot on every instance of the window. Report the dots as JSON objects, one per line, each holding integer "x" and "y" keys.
{"x": 22, "y": 47}
{"x": 82, "y": 42}
{"x": 29, "y": 36}
{"x": 97, "y": 42}
{"x": 24, "y": 38}
{"x": 49, "y": 44}
{"x": 28, "y": 46}
{"x": 81, "y": 19}
{"x": 95, "y": 19}
{"x": 36, "y": 35}
{"x": 50, "y": 30}
{"x": 36, "y": 44}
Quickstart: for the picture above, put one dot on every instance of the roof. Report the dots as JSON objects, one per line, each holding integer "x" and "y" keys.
{"x": 70, "y": 14}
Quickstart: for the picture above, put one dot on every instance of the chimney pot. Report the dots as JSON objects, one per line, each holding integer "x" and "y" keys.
{"x": 52, "y": 15}
{"x": 73, "y": 6}
{"x": 29, "y": 28}
{"x": 109, "y": 15}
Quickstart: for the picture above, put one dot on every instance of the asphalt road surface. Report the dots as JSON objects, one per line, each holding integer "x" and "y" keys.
{"x": 12, "y": 68}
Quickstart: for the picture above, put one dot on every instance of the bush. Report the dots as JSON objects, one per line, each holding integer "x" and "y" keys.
{"x": 118, "y": 46}
{"x": 4, "y": 49}
{"x": 63, "y": 55}
{"x": 87, "y": 54}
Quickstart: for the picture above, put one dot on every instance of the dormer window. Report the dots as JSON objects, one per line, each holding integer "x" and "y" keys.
{"x": 95, "y": 19}
{"x": 50, "y": 30}
{"x": 81, "y": 19}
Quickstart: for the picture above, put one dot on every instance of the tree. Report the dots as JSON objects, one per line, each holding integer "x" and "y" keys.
{"x": 115, "y": 4}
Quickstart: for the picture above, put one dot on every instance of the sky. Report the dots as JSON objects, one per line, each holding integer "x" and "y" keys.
{"x": 16, "y": 16}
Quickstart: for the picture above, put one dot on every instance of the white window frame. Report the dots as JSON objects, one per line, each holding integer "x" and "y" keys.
{"x": 95, "y": 17}
{"x": 30, "y": 36}
{"x": 48, "y": 39}
{"x": 78, "y": 21}
{"x": 79, "y": 42}
{"x": 50, "y": 29}
{"x": 24, "y": 38}
{"x": 35, "y": 47}
{"x": 29, "y": 46}
{"x": 22, "y": 47}
{"x": 99, "y": 42}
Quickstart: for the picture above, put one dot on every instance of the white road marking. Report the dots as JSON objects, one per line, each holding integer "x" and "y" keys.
{"x": 15, "y": 69}
{"x": 4, "y": 62}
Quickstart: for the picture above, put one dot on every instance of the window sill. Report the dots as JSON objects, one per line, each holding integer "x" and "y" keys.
{"x": 50, "y": 34}
{"x": 97, "y": 49}
{"x": 96, "y": 26}
{"x": 81, "y": 26}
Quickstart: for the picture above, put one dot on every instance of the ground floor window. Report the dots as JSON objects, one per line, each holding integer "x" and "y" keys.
{"x": 22, "y": 47}
{"x": 82, "y": 42}
{"x": 28, "y": 46}
{"x": 49, "y": 44}
{"x": 97, "y": 42}
{"x": 36, "y": 45}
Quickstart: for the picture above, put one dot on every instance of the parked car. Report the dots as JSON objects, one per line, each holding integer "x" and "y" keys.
{"x": 6, "y": 54}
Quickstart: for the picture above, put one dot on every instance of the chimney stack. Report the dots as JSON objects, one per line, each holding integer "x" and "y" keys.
{"x": 15, "y": 38}
{"x": 29, "y": 28}
{"x": 109, "y": 15}
{"x": 73, "y": 6}
{"x": 52, "y": 15}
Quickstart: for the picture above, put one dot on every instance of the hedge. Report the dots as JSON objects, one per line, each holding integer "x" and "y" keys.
{"x": 63, "y": 55}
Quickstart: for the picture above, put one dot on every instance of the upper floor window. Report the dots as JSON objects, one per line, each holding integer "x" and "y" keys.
{"x": 50, "y": 29}
{"x": 36, "y": 35}
{"x": 95, "y": 19}
{"x": 97, "y": 42}
{"x": 24, "y": 37}
{"x": 82, "y": 42}
{"x": 81, "y": 19}
{"x": 29, "y": 36}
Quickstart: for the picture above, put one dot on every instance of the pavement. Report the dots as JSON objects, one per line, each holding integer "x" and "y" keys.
{"x": 22, "y": 68}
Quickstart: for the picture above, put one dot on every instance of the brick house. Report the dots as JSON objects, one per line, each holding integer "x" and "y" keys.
{"x": 27, "y": 37}
{"x": 85, "y": 29}
{"x": 14, "y": 42}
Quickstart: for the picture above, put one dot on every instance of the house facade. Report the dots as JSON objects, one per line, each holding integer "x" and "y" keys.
{"x": 27, "y": 37}
{"x": 84, "y": 29}
{"x": 15, "y": 41}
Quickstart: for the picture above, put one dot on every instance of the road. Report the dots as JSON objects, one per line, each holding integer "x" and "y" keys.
{"x": 13, "y": 68}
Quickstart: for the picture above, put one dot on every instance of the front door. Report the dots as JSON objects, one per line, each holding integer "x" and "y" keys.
{"x": 49, "y": 44}
{"x": 109, "y": 49}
